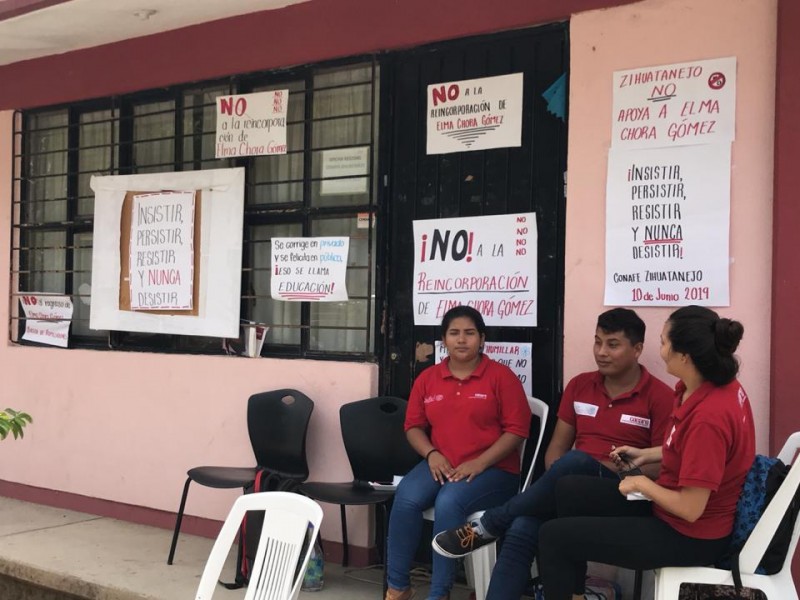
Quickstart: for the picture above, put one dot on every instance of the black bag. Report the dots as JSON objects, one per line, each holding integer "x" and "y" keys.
{"x": 762, "y": 482}
{"x": 704, "y": 591}
{"x": 250, "y": 529}
{"x": 775, "y": 555}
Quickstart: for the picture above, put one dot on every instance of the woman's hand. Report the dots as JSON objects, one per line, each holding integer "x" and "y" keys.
{"x": 440, "y": 467}
{"x": 468, "y": 470}
{"x": 631, "y": 484}
{"x": 627, "y": 457}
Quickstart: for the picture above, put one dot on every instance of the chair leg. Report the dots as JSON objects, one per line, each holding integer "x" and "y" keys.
{"x": 637, "y": 585}
{"x": 178, "y": 520}
{"x": 345, "y": 553}
{"x": 384, "y": 544}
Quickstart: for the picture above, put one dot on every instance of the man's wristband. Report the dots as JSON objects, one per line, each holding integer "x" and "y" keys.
{"x": 429, "y": 453}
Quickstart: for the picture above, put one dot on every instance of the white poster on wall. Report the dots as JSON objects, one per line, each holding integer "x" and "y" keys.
{"x": 475, "y": 114}
{"x": 309, "y": 269}
{"x": 162, "y": 251}
{"x": 667, "y": 226}
{"x": 251, "y": 124}
{"x": 218, "y": 278}
{"x": 489, "y": 263}
{"x": 675, "y": 105}
{"x": 47, "y": 319}
{"x": 352, "y": 163}
{"x": 516, "y": 356}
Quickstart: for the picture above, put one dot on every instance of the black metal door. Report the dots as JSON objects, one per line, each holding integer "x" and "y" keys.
{"x": 499, "y": 181}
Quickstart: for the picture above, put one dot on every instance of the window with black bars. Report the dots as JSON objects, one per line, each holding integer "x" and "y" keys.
{"x": 58, "y": 149}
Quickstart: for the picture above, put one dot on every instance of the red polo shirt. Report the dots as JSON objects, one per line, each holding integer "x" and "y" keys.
{"x": 638, "y": 418}
{"x": 465, "y": 417}
{"x": 712, "y": 445}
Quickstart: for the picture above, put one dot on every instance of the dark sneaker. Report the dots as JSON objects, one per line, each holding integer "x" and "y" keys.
{"x": 455, "y": 543}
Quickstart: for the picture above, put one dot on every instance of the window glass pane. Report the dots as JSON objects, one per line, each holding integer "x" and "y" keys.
{"x": 46, "y": 262}
{"x": 282, "y": 317}
{"x": 46, "y": 165}
{"x": 346, "y": 322}
{"x": 82, "y": 286}
{"x": 98, "y": 153}
{"x": 342, "y": 131}
{"x": 153, "y": 135}
{"x": 341, "y": 326}
{"x": 279, "y": 178}
{"x": 343, "y": 127}
{"x": 200, "y": 126}
{"x": 342, "y": 101}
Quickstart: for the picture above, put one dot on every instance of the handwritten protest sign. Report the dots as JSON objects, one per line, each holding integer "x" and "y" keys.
{"x": 516, "y": 356}
{"x": 475, "y": 114}
{"x": 667, "y": 223}
{"x": 311, "y": 269}
{"x": 675, "y": 105}
{"x": 489, "y": 263}
{"x": 162, "y": 251}
{"x": 251, "y": 124}
{"x": 47, "y": 319}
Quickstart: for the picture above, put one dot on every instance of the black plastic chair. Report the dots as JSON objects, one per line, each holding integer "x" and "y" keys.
{"x": 277, "y": 422}
{"x": 377, "y": 449}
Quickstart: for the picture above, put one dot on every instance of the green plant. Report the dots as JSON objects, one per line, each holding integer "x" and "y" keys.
{"x": 13, "y": 421}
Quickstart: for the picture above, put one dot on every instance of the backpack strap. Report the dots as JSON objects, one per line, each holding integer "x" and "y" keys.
{"x": 242, "y": 566}
{"x": 737, "y": 578}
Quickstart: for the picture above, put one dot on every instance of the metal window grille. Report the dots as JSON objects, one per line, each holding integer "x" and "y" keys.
{"x": 58, "y": 149}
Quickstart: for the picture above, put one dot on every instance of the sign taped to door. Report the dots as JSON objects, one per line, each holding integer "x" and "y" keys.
{"x": 489, "y": 263}
{"x": 515, "y": 355}
{"x": 475, "y": 114}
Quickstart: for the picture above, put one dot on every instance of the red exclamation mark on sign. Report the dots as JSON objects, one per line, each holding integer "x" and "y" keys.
{"x": 469, "y": 247}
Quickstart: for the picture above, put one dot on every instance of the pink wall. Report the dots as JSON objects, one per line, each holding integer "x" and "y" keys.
{"x": 657, "y": 32}
{"x": 125, "y": 426}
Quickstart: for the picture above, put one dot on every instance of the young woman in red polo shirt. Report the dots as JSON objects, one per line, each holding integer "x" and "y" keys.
{"x": 466, "y": 417}
{"x": 704, "y": 459}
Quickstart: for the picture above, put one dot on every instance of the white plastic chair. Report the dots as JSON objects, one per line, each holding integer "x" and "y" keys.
{"x": 780, "y": 585}
{"x": 289, "y": 519}
{"x": 481, "y": 562}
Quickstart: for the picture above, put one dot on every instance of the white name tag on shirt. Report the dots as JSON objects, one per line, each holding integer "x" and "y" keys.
{"x": 633, "y": 420}
{"x": 585, "y": 409}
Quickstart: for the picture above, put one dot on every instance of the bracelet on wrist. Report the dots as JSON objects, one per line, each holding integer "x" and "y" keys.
{"x": 427, "y": 456}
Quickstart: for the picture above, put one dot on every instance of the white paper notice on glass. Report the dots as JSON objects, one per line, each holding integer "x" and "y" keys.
{"x": 675, "y": 105}
{"x": 667, "y": 226}
{"x": 475, "y": 114}
{"x": 311, "y": 269}
{"x": 47, "y": 318}
{"x": 516, "y": 356}
{"x": 162, "y": 251}
{"x": 488, "y": 263}
{"x": 251, "y": 124}
{"x": 349, "y": 163}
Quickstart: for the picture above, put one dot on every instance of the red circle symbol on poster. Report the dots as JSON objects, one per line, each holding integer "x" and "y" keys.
{"x": 716, "y": 81}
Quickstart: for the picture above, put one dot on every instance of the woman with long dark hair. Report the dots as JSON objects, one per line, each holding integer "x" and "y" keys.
{"x": 466, "y": 417}
{"x": 689, "y": 510}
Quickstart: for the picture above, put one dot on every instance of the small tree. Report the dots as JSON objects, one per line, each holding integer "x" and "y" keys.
{"x": 12, "y": 421}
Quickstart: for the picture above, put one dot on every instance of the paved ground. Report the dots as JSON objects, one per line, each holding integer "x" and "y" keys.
{"x": 83, "y": 556}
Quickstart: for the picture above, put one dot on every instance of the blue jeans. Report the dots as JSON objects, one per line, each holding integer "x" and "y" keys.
{"x": 454, "y": 502}
{"x": 519, "y": 519}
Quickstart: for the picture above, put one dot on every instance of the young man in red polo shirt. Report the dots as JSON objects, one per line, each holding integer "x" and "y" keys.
{"x": 620, "y": 404}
